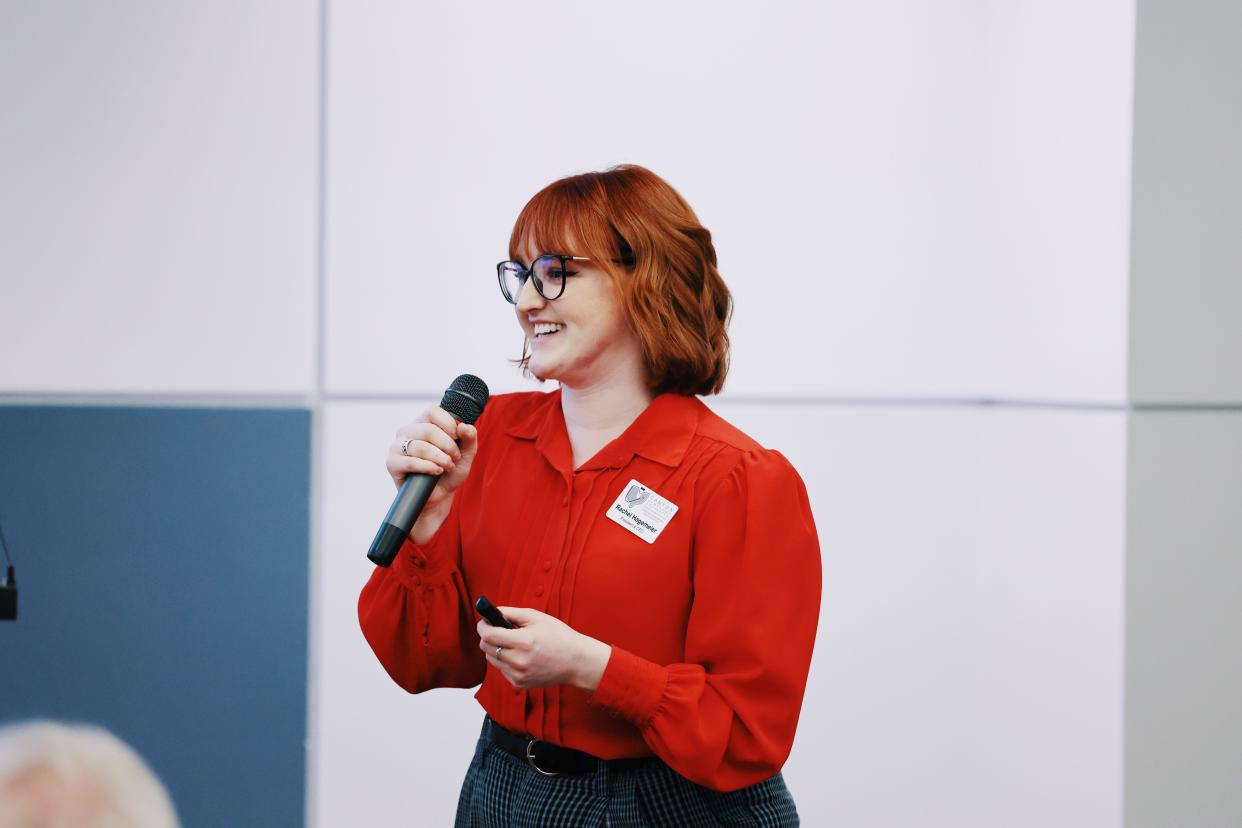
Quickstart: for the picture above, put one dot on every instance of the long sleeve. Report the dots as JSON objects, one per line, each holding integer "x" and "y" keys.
{"x": 418, "y": 617}
{"x": 725, "y": 718}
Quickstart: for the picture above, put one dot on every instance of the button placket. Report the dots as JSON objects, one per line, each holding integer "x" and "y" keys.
{"x": 567, "y": 499}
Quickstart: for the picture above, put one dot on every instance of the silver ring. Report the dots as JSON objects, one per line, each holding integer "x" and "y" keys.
{"x": 498, "y": 651}
{"x": 404, "y": 444}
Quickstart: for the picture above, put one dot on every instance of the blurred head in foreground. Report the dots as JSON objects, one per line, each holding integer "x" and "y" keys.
{"x": 76, "y": 776}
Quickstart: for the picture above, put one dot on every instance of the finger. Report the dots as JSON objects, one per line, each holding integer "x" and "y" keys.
{"x": 484, "y": 629}
{"x": 413, "y": 465}
{"x": 444, "y": 420}
{"x": 427, "y": 451}
{"x": 520, "y": 616}
{"x": 500, "y": 665}
{"x": 411, "y": 430}
{"x": 468, "y": 439}
{"x": 500, "y": 637}
{"x": 435, "y": 434}
{"x": 513, "y": 658}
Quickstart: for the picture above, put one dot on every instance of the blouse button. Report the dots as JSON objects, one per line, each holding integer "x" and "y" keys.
{"x": 547, "y": 566}
{"x": 539, "y": 590}
{"x": 564, "y": 501}
{"x": 418, "y": 582}
{"x": 420, "y": 563}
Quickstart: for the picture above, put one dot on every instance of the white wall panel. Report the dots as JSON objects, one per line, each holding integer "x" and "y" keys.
{"x": 968, "y": 670}
{"x": 927, "y": 199}
{"x": 968, "y": 666}
{"x": 377, "y": 755}
{"x": 1053, "y": 283}
{"x": 158, "y": 205}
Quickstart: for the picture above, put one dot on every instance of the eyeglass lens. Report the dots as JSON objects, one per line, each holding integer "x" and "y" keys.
{"x": 548, "y": 272}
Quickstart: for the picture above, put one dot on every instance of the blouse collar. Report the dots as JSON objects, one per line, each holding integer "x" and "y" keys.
{"x": 662, "y": 432}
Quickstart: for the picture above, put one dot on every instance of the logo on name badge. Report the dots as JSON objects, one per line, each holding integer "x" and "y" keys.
{"x": 641, "y": 511}
{"x": 636, "y": 494}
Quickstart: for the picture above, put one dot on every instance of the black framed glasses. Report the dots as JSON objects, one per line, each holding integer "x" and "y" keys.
{"x": 549, "y": 273}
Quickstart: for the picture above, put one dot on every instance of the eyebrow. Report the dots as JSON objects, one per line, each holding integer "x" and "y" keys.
{"x": 523, "y": 263}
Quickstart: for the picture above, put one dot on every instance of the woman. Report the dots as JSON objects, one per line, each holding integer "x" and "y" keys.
{"x": 661, "y": 568}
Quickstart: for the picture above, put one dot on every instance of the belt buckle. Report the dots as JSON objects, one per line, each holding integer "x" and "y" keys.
{"x": 530, "y": 757}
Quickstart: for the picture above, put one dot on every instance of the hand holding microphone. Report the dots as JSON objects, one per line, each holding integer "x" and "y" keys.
{"x": 437, "y": 448}
{"x": 434, "y": 444}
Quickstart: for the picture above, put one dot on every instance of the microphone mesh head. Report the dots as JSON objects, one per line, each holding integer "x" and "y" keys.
{"x": 465, "y": 398}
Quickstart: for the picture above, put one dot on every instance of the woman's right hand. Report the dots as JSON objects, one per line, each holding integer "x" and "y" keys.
{"x": 438, "y": 445}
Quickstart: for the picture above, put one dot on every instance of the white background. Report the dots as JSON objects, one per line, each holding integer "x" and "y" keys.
{"x": 158, "y": 197}
{"x": 917, "y": 199}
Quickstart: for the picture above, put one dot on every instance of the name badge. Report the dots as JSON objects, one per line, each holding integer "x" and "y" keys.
{"x": 642, "y": 511}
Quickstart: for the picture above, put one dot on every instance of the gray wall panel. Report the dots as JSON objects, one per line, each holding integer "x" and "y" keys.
{"x": 1186, "y": 251}
{"x": 162, "y": 562}
{"x": 1184, "y": 620}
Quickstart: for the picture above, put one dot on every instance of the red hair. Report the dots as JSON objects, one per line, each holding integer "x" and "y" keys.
{"x": 661, "y": 261}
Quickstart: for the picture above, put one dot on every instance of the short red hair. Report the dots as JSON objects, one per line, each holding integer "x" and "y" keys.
{"x": 661, "y": 260}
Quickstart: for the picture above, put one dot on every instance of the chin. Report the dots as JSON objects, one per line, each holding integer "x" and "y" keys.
{"x": 546, "y": 366}
{"x": 540, "y": 372}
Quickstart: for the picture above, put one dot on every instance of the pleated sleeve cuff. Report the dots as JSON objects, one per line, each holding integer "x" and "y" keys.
{"x": 426, "y": 564}
{"x": 632, "y": 687}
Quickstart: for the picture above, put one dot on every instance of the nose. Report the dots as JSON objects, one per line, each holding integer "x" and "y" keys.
{"x": 529, "y": 298}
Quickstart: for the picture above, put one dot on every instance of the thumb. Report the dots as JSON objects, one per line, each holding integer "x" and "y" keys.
{"x": 467, "y": 441}
{"x": 520, "y": 616}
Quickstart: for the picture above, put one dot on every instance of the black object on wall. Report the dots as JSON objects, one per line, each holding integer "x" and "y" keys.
{"x": 8, "y": 594}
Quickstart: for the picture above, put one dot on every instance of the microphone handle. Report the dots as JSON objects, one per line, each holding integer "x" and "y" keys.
{"x": 406, "y": 507}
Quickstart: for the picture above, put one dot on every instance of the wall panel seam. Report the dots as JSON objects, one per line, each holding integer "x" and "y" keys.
{"x": 317, "y": 398}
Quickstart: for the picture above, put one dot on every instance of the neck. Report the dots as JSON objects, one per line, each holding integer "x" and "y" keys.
{"x": 598, "y": 412}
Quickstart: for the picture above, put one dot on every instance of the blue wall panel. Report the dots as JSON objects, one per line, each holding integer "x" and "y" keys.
{"x": 162, "y": 556}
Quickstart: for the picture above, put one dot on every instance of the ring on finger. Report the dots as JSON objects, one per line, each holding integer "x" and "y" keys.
{"x": 499, "y": 650}
{"x": 404, "y": 445}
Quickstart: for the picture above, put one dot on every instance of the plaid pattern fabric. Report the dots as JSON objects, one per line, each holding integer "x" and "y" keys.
{"x": 503, "y": 791}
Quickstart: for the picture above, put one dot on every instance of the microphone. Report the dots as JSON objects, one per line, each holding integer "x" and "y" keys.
{"x": 464, "y": 400}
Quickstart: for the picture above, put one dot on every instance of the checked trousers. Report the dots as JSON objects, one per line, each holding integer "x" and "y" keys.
{"x": 502, "y": 791}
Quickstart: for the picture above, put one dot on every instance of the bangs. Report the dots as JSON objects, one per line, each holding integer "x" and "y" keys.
{"x": 567, "y": 217}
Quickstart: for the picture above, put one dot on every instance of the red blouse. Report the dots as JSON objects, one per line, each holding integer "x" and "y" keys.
{"x": 711, "y": 626}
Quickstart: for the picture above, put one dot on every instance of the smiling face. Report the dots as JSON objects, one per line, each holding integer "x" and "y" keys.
{"x": 583, "y": 337}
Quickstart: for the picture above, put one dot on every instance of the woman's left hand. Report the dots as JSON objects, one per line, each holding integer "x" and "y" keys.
{"x": 543, "y": 651}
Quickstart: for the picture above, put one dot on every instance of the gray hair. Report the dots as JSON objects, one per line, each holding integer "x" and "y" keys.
{"x": 77, "y": 775}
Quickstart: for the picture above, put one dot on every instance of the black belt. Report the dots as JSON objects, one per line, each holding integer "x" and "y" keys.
{"x": 554, "y": 760}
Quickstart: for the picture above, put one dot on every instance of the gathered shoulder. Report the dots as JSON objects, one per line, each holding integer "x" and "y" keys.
{"x": 736, "y": 455}
{"x": 739, "y": 478}
{"x": 717, "y": 429}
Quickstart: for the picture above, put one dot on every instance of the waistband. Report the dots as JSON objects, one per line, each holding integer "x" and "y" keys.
{"x": 555, "y": 760}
